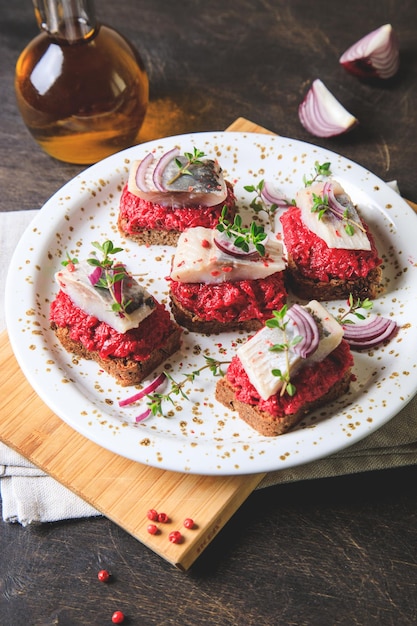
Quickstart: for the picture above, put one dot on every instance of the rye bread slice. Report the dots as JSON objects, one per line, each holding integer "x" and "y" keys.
{"x": 336, "y": 289}
{"x": 266, "y": 424}
{"x": 126, "y": 371}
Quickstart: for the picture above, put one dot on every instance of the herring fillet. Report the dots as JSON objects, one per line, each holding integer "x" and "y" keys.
{"x": 197, "y": 259}
{"x": 98, "y": 301}
{"x": 258, "y": 360}
{"x": 204, "y": 185}
{"x": 329, "y": 227}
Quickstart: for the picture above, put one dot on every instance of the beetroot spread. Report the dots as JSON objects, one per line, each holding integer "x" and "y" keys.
{"x": 232, "y": 301}
{"x": 138, "y": 214}
{"x": 314, "y": 259}
{"x": 136, "y": 344}
{"x": 311, "y": 383}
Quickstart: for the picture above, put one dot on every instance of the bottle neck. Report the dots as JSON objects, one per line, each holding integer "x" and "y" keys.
{"x": 66, "y": 20}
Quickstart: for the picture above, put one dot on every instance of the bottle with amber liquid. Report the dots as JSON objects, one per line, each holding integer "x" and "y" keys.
{"x": 81, "y": 87}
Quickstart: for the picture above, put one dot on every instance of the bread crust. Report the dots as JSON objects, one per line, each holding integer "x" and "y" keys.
{"x": 125, "y": 370}
{"x": 149, "y": 237}
{"x": 266, "y": 424}
{"x": 369, "y": 286}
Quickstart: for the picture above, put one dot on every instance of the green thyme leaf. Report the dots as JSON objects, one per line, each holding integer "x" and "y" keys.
{"x": 193, "y": 158}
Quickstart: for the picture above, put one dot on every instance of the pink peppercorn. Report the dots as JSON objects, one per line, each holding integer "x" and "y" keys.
{"x": 163, "y": 518}
{"x": 152, "y": 515}
{"x": 152, "y": 529}
{"x": 117, "y": 617}
{"x": 175, "y": 536}
{"x": 189, "y": 523}
{"x": 103, "y": 575}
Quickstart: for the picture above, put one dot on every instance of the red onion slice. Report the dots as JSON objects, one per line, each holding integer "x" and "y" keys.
{"x": 161, "y": 167}
{"x": 95, "y": 275}
{"x": 307, "y": 329}
{"x": 227, "y": 246}
{"x": 321, "y": 113}
{"x": 143, "y": 167}
{"x": 338, "y": 209}
{"x": 370, "y": 333}
{"x": 273, "y": 195}
{"x": 142, "y": 416}
{"x": 145, "y": 391}
{"x": 374, "y": 56}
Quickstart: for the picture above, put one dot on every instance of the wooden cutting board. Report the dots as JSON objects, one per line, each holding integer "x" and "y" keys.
{"x": 121, "y": 489}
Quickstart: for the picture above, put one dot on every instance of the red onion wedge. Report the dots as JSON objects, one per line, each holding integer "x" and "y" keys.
{"x": 307, "y": 329}
{"x": 321, "y": 113}
{"x": 142, "y": 170}
{"x": 374, "y": 56}
{"x": 161, "y": 167}
{"x": 369, "y": 333}
{"x": 226, "y": 245}
{"x": 157, "y": 382}
{"x": 273, "y": 195}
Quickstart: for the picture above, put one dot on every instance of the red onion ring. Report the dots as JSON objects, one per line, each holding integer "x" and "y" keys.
{"x": 273, "y": 195}
{"x": 374, "y": 331}
{"x": 145, "y": 391}
{"x": 228, "y": 247}
{"x": 339, "y": 209}
{"x": 143, "y": 167}
{"x": 95, "y": 275}
{"x": 161, "y": 167}
{"x": 143, "y": 416}
{"x": 308, "y": 330}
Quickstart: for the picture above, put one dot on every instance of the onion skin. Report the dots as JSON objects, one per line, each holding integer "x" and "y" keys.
{"x": 322, "y": 114}
{"x": 376, "y": 55}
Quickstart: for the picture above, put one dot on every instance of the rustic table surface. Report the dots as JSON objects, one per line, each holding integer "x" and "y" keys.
{"x": 325, "y": 552}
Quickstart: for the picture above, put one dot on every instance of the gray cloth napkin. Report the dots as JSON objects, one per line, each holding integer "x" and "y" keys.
{"x": 29, "y": 495}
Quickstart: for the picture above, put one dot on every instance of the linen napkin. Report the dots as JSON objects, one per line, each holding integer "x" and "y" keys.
{"x": 29, "y": 495}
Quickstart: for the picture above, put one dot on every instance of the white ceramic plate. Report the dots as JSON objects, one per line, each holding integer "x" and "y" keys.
{"x": 201, "y": 436}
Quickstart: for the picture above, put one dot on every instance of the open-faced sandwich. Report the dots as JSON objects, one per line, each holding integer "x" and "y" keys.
{"x": 102, "y": 313}
{"x": 216, "y": 285}
{"x": 165, "y": 195}
{"x": 331, "y": 252}
{"x": 297, "y": 362}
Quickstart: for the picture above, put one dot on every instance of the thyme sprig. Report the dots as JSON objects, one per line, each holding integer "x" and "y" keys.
{"x": 353, "y": 306}
{"x": 320, "y": 170}
{"x": 259, "y": 203}
{"x": 242, "y": 236}
{"x": 321, "y": 206}
{"x": 278, "y": 321}
{"x": 111, "y": 274}
{"x": 156, "y": 400}
{"x": 193, "y": 158}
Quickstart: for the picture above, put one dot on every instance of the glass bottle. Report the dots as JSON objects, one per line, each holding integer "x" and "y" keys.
{"x": 81, "y": 87}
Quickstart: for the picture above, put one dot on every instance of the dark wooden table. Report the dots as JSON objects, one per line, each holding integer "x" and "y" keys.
{"x": 329, "y": 552}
